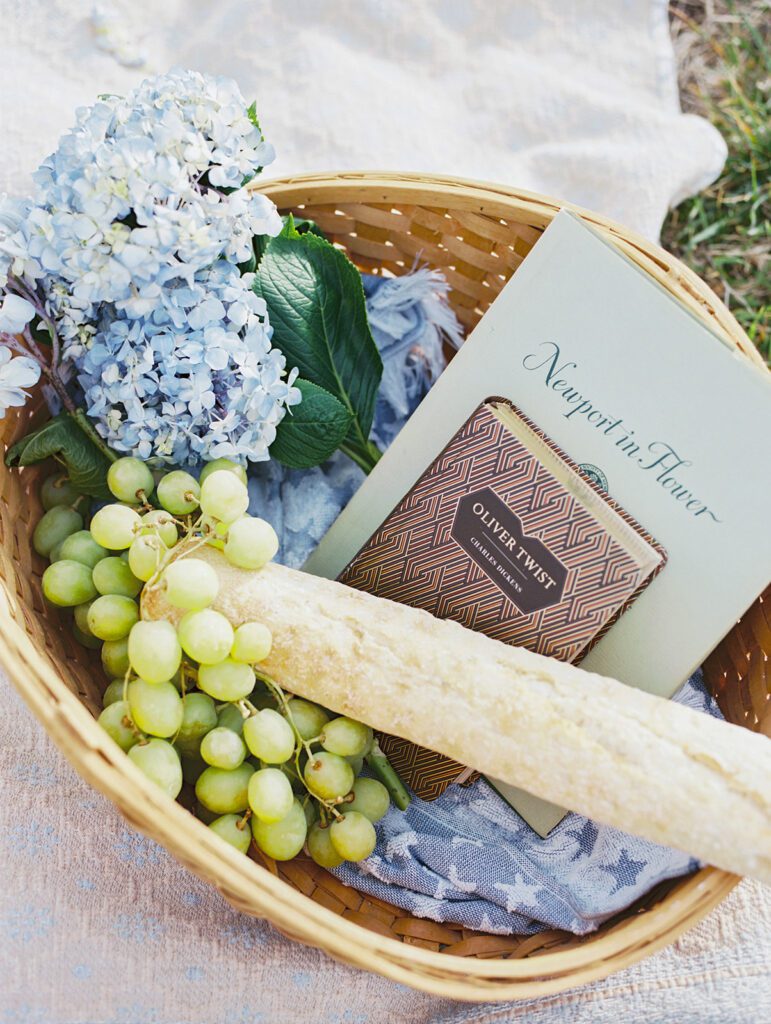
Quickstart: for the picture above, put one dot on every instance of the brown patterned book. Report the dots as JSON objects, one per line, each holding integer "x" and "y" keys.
{"x": 508, "y": 536}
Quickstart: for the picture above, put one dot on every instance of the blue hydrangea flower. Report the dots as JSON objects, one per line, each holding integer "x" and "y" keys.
{"x": 142, "y": 191}
{"x": 16, "y": 374}
{"x": 131, "y": 243}
{"x": 15, "y": 314}
{"x": 196, "y": 377}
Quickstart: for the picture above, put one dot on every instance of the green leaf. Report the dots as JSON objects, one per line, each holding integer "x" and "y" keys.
{"x": 292, "y": 229}
{"x": 316, "y": 305}
{"x": 63, "y": 439}
{"x": 303, "y": 225}
{"x": 311, "y": 431}
{"x": 251, "y": 113}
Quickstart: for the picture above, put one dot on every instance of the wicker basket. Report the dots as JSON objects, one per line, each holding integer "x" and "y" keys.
{"x": 477, "y": 234}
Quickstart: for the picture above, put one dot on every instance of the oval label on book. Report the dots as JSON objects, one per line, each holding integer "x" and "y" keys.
{"x": 521, "y": 567}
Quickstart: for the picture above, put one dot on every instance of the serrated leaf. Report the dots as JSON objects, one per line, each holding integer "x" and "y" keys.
{"x": 292, "y": 229}
{"x": 289, "y": 230}
{"x": 311, "y": 431}
{"x": 62, "y": 438}
{"x": 251, "y": 113}
{"x": 316, "y": 306}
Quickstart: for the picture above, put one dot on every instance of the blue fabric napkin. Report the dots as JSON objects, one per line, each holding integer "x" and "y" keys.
{"x": 466, "y": 858}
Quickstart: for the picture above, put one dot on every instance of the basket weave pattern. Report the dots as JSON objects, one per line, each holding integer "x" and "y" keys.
{"x": 478, "y": 235}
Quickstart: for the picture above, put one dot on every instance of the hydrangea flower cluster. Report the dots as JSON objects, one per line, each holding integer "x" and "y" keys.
{"x": 139, "y": 211}
{"x": 197, "y": 379}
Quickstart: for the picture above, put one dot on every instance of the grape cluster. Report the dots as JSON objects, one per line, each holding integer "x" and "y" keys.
{"x": 189, "y": 704}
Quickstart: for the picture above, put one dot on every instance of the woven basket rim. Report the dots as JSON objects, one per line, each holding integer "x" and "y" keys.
{"x": 484, "y": 196}
{"x": 104, "y": 765}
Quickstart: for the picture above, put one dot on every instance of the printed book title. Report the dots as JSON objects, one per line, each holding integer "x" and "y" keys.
{"x": 666, "y": 465}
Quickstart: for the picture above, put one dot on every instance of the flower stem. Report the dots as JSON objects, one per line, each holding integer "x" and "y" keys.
{"x": 366, "y": 456}
{"x": 384, "y": 770}
{"x": 87, "y": 427}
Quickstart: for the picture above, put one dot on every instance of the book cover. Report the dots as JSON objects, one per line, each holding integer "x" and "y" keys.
{"x": 503, "y": 534}
{"x": 627, "y": 380}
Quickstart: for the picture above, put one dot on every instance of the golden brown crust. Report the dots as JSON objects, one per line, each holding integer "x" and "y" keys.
{"x": 609, "y": 751}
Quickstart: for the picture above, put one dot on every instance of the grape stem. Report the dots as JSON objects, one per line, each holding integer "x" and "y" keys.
{"x": 285, "y": 702}
{"x": 385, "y": 771}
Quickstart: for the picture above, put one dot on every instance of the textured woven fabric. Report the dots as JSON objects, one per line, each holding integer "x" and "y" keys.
{"x": 578, "y": 98}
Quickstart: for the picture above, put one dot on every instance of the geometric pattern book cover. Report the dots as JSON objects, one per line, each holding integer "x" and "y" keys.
{"x": 490, "y": 538}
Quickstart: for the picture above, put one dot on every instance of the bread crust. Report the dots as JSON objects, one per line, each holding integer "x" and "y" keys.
{"x": 606, "y": 750}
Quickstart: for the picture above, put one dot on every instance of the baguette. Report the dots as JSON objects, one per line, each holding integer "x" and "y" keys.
{"x": 606, "y": 750}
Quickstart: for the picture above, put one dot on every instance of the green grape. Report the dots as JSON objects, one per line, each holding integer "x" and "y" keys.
{"x": 57, "y": 490}
{"x": 113, "y": 693}
{"x": 222, "y": 464}
{"x": 321, "y": 849}
{"x": 206, "y": 636}
{"x": 308, "y": 719}
{"x": 270, "y": 795}
{"x": 113, "y": 576}
{"x": 223, "y": 748}
{"x": 370, "y": 744}
{"x": 155, "y": 707}
{"x": 309, "y": 807}
{"x": 190, "y": 583}
{"x": 283, "y": 839}
{"x": 251, "y": 543}
{"x": 287, "y": 769}
{"x": 357, "y": 763}
{"x": 223, "y": 791}
{"x": 154, "y": 651}
{"x": 199, "y": 716}
{"x": 215, "y": 531}
{"x": 224, "y": 496}
{"x": 91, "y": 642}
{"x": 205, "y": 815}
{"x": 111, "y": 616}
{"x": 230, "y": 717}
{"x": 160, "y": 763}
{"x": 115, "y": 659}
{"x": 345, "y": 737}
{"x": 130, "y": 480}
{"x": 178, "y": 492}
{"x": 67, "y": 583}
{"x": 269, "y": 737}
{"x": 54, "y": 527}
{"x": 81, "y": 547}
{"x": 328, "y": 775}
{"x": 80, "y": 612}
{"x": 228, "y": 680}
{"x": 56, "y": 552}
{"x": 159, "y": 523}
{"x": 234, "y": 830}
{"x": 115, "y": 526}
{"x": 262, "y": 699}
{"x": 192, "y": 766}
{"x": 178, "y": 678}
{"x": 144, "y": 556}
{"x": 252, "y": 643}
{"x": 370, "y": 798}
{"x": 353, "y": 836}
{"x": 116, "y": 722}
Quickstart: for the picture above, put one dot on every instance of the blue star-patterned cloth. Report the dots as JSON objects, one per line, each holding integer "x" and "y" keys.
{"x": 466, "y": 858}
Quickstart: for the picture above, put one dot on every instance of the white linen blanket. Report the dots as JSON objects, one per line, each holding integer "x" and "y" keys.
{"x": 576, "y": 98}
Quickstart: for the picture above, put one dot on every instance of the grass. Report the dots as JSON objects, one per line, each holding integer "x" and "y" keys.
{"x": 724, "y": 233}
